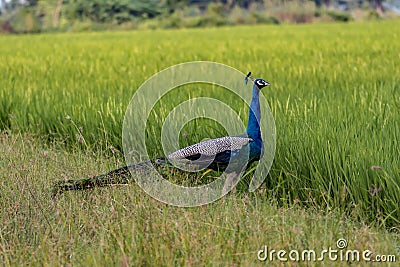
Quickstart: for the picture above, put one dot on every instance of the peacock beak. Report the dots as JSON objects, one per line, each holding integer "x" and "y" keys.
{"x": 266, "y": 84}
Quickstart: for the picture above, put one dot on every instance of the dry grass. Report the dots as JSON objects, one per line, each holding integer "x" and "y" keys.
{"x": 123, "y": 226}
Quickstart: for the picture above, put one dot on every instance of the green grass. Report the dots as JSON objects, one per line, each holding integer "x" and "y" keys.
{"x": 335, "y": 96}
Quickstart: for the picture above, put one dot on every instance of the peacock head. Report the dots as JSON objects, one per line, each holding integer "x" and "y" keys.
{"x": 260, "y": 83}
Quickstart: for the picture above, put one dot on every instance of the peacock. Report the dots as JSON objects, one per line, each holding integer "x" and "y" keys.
{"x": 215, "y": 154}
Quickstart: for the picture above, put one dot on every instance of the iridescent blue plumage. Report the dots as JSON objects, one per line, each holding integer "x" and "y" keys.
{"x": 253, "y": 125}
{"x": 215, "y": 154}
{"x": 222, "y": 158}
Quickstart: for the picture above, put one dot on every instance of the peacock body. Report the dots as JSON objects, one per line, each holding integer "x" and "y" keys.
{"x": 214, "y": 154}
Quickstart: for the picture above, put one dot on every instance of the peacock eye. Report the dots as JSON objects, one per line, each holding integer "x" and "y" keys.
{"x": 158, "y": 161}
{"x": 261, "y": 82}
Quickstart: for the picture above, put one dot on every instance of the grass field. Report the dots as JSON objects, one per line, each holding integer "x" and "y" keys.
{"x": 335, "y": 96}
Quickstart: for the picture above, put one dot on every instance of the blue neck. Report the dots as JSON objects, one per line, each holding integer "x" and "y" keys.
{"x": 253, "y": 126}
